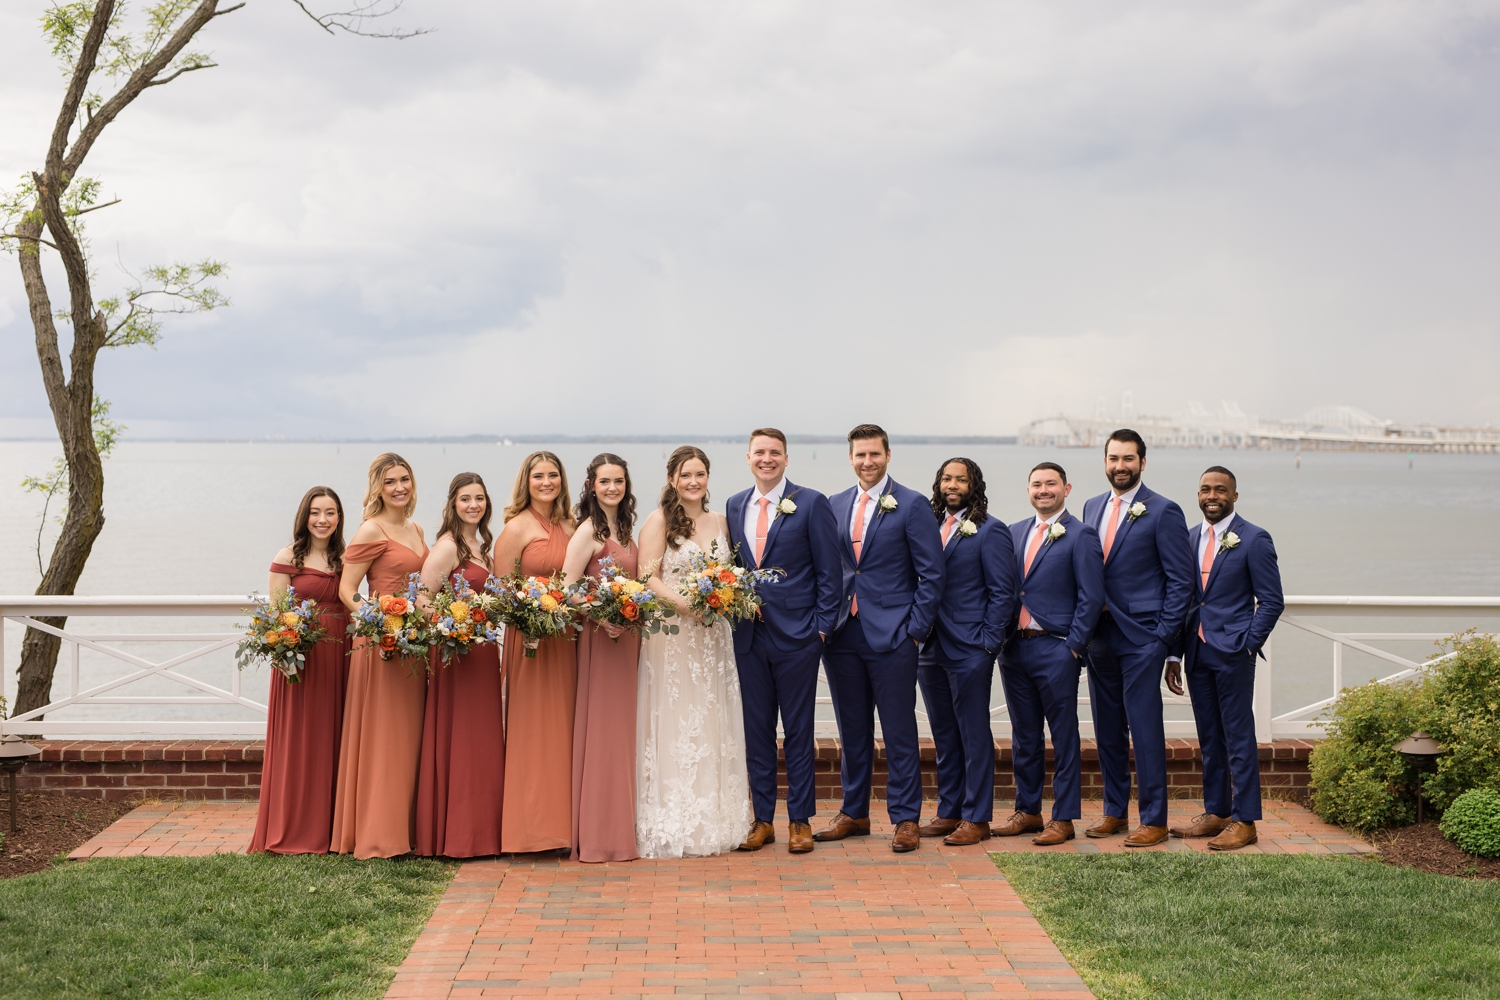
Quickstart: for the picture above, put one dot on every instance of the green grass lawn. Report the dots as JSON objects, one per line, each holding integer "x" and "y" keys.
{"x": 226, "y": 925}
{"x": 1194, "y": 926}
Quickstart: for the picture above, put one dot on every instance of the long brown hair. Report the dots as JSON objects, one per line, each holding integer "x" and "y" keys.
{"x": 520, "y": 494}
{"x": 374, "y": 500}
{"x": 679, "y": 525}
{"x": 592, "y": 511}
{"x": 454, "y": 525}
{"x": 302, "y": 537}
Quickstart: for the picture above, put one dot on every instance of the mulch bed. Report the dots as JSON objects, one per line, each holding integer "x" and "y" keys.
{"x": 48, "y": 824}
{"x": 1423, "y": 846}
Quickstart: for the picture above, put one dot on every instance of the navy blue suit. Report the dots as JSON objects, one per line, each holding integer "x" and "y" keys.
{"x": 1064, "y": 594}
{"x": 777, "y": 656}
{"x": 1237, "y": 611}
{"x": 1148, "y": 581}
{"x": 957, "y": 665}
{"x": 871, "y": 660}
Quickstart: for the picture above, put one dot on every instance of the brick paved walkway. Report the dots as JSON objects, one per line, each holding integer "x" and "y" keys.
{"x": 177, "y": 829}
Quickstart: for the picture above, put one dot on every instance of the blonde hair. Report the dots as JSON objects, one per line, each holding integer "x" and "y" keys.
{"x": 374, "y": 499}
{"x": 520, "y": 494}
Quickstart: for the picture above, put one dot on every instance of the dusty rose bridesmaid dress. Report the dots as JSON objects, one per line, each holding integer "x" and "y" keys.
{"x": 303, "y": 722}
{"x": 372, "y": 813}
{"x": 538, "y": 812}
{"x": 461, "y": 779}
{"x": 604, "y": 734}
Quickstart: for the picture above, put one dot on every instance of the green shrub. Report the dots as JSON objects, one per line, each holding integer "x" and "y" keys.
{"x": 1464, "y": 716}
{"x": 1473, "y": 822}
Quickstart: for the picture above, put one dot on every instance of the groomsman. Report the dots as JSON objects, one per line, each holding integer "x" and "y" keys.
{"x": 957, "y": 663}
{"x": 1148, "y": 580}
{"x": 892, "y": 582}
{"x": 1237, "y": 600}
{"x": 777, "y": 523}
{"x": 1061, "y": 594}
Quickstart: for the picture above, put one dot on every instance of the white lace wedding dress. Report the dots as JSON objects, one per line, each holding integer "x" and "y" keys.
{"x": 692, "y": 794}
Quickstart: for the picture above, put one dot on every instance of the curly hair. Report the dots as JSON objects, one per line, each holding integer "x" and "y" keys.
{"x": 979, "y": 504}
{"x": 592, "y": 511}
{"x": 454, "y": 525}
{"x": 302, "y": 534}
{"x": 679, "y": 525}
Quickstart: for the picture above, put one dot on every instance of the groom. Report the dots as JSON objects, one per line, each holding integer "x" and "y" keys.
{"x": 779, "y": 524}
{"x": 892, "y": 583}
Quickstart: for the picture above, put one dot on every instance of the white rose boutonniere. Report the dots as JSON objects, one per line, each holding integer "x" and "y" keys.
{"x": 1056, "y": 531}
{"x": 885, "y": 503}
{"x": 1136, "y": 510}
{"x": 1229, "y": 541}
{"x": 784, "y": 507}
{"x": 967, "y": 528}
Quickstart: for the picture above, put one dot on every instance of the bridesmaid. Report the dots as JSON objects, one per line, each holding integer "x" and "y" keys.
{"x": 372, "y": 814}
{"x": 302, "y": 724}
{"x": 604, "y": 721}
{"x": 538, "y": 812}
{"x": 461, "y": 778}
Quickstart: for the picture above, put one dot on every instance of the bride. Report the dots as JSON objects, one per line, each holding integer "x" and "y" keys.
{"x": 692, "y": 794}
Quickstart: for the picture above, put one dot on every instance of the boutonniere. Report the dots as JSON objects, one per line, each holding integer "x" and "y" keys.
{"x": 1136, "y": 510}
{"x": 1056, "y": 531}
{"x": 785, "y": 506}
{"x": 1229, "y": 541}
{"x": 967, "y": 528}
{"x": 885, "y": 503}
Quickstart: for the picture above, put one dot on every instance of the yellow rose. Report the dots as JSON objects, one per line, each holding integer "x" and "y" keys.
{"x": 460, "y": 611}
{"x": 548, "y": 603}
{"x": 393, "y": 623}
{"x": 290, "y": 619}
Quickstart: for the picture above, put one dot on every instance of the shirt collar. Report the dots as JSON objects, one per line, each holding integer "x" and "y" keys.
{"x": 1222, "y": 527}
{"x": 774, "y": 496}
{"x": 1037, "y": 518}
{"x": 960, "y": 515}
{"x": 877, "y": 489}
{"x": 1127, "y": 498}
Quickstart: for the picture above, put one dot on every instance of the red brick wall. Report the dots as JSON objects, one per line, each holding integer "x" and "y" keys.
{"x": 200, "y": 769}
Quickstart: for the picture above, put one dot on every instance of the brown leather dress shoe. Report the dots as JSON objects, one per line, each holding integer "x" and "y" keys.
{"x": 1146, "y": 836}
{"x": 966, "y": 834}
{"x": 1202, "y": 825}
{"x": 799, "y": 838}
{"x": 1018, "y": 824}
{"x": 1235, "y": 836}
{"x": 1107, "y": 827}
{"x": 844, "y": 826}
{"x": 761, "y": 834}
{"x": 907, "y": 837}
{"x": 1059, "y": 831}
{"x": 939, "y": 827}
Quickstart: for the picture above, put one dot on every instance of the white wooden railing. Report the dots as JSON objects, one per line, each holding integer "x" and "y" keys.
{"x": 1451, "y": 614}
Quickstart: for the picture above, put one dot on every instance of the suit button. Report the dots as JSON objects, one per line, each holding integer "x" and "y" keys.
{"x": 1202, "y": 604}
{"x": 1023, "y": 593}
{"x": 856, "y": 572}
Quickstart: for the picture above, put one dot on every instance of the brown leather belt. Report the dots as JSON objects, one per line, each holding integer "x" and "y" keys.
{"x": 1031, "y": 633}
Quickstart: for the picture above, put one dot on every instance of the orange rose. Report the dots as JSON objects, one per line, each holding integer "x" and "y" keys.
{"x": 557, "y": 595}
{"x": 713, "y": 600}
{"x": 388, "y": 642}
{"x": 288, "y": 637}
{"x": 272, "y": 638}
{"x": 629, "y": 610}
{"x": 479, "y": 616}
{"x": 398, "y": 606}
{"x": 726, "y": 576}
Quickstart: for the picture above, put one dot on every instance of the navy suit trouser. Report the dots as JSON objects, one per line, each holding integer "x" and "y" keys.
{"x": 1125, "y": 694}
{"x": 861, "y": 682}
{"x": 957, "y": 696}
{"x": 772, "y": 682}
{"x": 1040, "y": 676}
{"x": 1222, "y": 687}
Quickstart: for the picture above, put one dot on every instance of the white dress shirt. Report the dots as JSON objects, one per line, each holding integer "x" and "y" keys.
{"x": 874, "y": 493}
{"x": 958, "y": 516}
{"x": 1219, "y": 530}
{"x": 752, "y": 510}
{"x": 1038, "y": 519}
{"x": 1126, "y": 499}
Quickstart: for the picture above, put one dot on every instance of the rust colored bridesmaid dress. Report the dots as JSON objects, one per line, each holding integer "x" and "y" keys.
{"x": 461, "y": 779}
{"x": 372, "y": 813}
{"x": 538, "y": 812}
{"x": 604, "y": 734}
{"x": 302, "y": 730}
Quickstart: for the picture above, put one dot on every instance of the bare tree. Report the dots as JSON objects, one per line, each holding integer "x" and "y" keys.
{"x": 98, "y": 49}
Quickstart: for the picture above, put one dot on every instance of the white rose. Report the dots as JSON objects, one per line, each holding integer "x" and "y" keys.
{"x": 1056, "y": 531}
{"x": 966, "y": 528}
{"x": 1137, "y": 509}
{"x": 887, "y": 502}
{"x": 786, "y": 506}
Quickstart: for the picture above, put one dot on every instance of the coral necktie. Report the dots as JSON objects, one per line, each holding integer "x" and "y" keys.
{"x": 948, "y": 529}
{"x": 857, "y": 536}
{"x": 1031, "y": 550}
{"x": 1109, "y": 529}
{"x": 762, "y": 526}
{"x": 1208, "y": 565}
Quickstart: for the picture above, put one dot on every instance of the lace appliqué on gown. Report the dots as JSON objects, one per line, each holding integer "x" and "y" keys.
{"x": 692, "y": 793}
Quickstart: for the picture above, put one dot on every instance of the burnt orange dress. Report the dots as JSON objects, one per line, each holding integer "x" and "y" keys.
{"x": 540, "y": 693}
{"x": 372, "y": 812}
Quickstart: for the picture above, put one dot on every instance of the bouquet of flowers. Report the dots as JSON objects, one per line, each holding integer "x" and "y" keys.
{"x": 717, "y": 589}
{"x": 460, "y": 619}
{"x": 535, "y": 606}
{"x": 615, "y": 598}
{"x": 394, "y": 623}
{"x": 282, "y": 629}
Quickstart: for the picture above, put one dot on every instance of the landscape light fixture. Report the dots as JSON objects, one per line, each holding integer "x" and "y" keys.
{"x": 14, "y": 753}
{"x": 1422, "y": 751}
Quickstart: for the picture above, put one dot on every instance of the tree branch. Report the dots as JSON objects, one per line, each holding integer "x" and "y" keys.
{"x": 92, "y": 208}
{"x": 350, "y": 21}
{"x": 24, "y": 238}
{"x": 83, "y": 68}
{"x": 185, "y": 69}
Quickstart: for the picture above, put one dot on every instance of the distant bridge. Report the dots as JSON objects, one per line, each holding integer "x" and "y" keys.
{"x": 1327, "y": 428}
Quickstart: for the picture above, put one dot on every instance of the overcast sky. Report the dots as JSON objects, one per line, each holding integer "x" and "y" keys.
{"x": 655, "y": 216}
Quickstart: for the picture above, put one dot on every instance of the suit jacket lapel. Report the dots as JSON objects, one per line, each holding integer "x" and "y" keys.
{"x": 875, "y": 518}
{"x": 734, "y": 513}
{"x": 1124, "y": 529}
{"x": 1220, "y": 554}
{"x": 788, "y": 492}
{"x": 846, "y": 519}
{"x": 1041, "y": 553}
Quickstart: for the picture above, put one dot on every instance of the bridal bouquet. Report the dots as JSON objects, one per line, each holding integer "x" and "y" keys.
{"x": 394, "y": 623}
{"x": 460, "y": 619}
{"x": 282, "y": 629}
{"x": 535, "y": 606}
{"x": 615, "y": 598}
{"x": 717, "y": 589}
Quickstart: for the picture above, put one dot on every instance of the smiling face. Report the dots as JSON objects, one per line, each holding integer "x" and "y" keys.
{"x": 471, "y": 503}
{"x": 396, "y": 487}
{"x": 1216, "y": 496}
{"x": 768, "y": 460}
{"x": 1047, "y": 491}
{"x": 869, "y": 458}
{"x": 1123, "y": 465}
{"x": 955, "y": 486}
{"x": 322, "y": 517}
{"x": 609, "y": 486}
{"x": 544, "y": 484}
{"x": 691, "y": 481}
